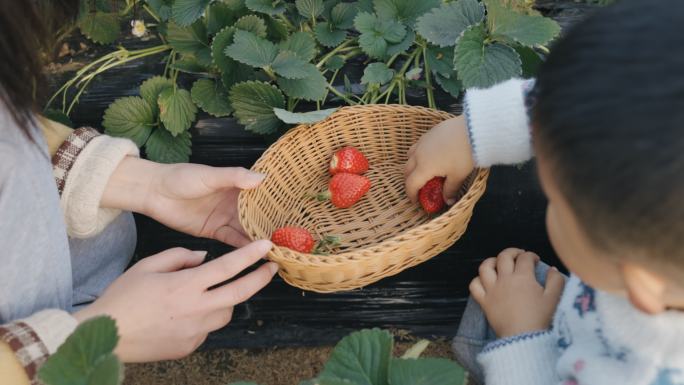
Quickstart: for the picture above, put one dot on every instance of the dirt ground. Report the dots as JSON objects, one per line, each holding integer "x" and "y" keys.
{"x": 278, "y": 366}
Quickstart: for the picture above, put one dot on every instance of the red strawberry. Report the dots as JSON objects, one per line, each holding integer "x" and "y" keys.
{"x": 345, "y": 189}
{"x": 295, "y": 238}
{"x": 348, "y": 159}
{"x": 430, "y": 195}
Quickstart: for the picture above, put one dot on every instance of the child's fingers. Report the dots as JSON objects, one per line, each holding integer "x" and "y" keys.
{"x": 505, "y": 262}
{"x": 554, "y": 284}
{"x": 476, "y": 289}
{"x": 451, "y": 186}
{"x": 524, "y": 263}
{"x": 412, "y": 150}
{"x": 415, "y": 181}
{"x": 488, "y": 273}
{"x": 410, "y": 166}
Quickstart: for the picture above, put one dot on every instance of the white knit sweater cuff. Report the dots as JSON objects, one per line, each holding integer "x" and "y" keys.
{"x": 52, "y": 327}
{"x": 498, "y": 123}
{"x": 528, "y": 359}
{"x": 86, "y": 183}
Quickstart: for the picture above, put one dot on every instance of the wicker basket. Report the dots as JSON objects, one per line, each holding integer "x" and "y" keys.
{"x": 382, "y": 234}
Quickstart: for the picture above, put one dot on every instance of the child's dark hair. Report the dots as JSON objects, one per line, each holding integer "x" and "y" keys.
{"x": 609, "y": 122}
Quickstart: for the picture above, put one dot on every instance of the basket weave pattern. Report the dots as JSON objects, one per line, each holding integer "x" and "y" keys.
{"x": 382, "y": 234}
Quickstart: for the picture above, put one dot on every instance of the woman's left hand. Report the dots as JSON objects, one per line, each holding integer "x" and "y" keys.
{"x": 196, "y": 199}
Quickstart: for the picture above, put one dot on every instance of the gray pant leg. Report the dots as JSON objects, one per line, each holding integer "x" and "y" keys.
{"x": 474, "y": 333}
{"x": 99, "y": 260}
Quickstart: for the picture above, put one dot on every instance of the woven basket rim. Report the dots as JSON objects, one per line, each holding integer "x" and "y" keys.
{"x": 357, "y": 254}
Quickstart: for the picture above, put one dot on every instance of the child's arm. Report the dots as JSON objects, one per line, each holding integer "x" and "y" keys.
{"x": 494, "y": 129}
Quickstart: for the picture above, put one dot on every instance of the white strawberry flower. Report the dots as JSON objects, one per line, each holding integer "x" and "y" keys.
{"x": 138, "y": 28}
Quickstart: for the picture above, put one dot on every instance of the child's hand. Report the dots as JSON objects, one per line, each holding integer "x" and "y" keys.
{"x": 512, "y": 299}
{"x": 442, "y": 151}
{"x": 166, "y": 304}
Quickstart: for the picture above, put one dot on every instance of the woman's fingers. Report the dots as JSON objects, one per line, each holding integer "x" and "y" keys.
{"x": 229, "y": 265}
{"x": 243, "y": 288}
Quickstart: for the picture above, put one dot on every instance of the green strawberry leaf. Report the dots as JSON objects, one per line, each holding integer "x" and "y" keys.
{"x": 190, "y": 40}
{"x": 335, "y": 63}
{"x": 289, "y": 66}
{"x": 190, "y": 65}
{"x": 252, "y": 50}
{"x": 530, "y": 61}
{"x": 58, "y": 116}
{"x": 163, "y": 147}
{"x": 377, "y": 73}
{"x": 527, "y": 30}
{"x": 376, "y": 33}
{"x": 362, "y": 358}
{"x": 268, "y": 7}
{"x": 403, "y": 45}
{"x": 86, "y": 355}
{"x": 211, "y": 97}
{"x": 129, "y": 117}
{"x": 312, "y": 87}
{"x": 451, "y": 84}
{"x": 185, "y": 12}
{"x": 328, "y": 35}
{"x": 161, "y": 7}
{"x": 406, "y": 11}
{"x": 176, "y": 110}
{"x": 219, "y": 16}
{"x": 277, "y": 29}
{"x": 151, "y": 88}
{"x": 303, "y": 117}
{"x": 253, "y": 24}
{"x": 426, "y": 371}
{"x": 301, "y": 44}
{"x": 481, "y": 65}
{"x": 309, "y": 9}
{"x": 442, "y": 26}
{"x": 342, "y": 15}
{"x": 441, "y": 60}
{"x": 100, "y": 27}
{"x": 253, "y": 102}
{"x": 231, "y": 71}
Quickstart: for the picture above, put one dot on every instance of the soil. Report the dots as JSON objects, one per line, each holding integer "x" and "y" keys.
{"x": 274, "y": 366}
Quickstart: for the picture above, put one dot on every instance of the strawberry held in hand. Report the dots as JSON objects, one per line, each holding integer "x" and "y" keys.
{"x": 295, "y": 238}
{"x": 350, "y": 160}
{"x": 345, "y": 189}
{"x": 430, "y": 195}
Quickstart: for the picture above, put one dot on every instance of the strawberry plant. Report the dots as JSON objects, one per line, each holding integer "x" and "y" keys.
{"x": 263, "y": 60}
{"x": 365, "y": 358}
{"x": 362, "y": 358}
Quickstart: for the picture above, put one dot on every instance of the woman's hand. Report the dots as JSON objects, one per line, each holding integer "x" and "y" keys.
{"x": 196, "y": 199}
{"x": 510, "y": 296}
{"x": 163, "y": 306}
{"x": 442, "y": 151}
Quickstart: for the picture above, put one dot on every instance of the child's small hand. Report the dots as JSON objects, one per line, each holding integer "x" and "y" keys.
{"x": 442, "y": 151}
{"x": 512, "y": 299}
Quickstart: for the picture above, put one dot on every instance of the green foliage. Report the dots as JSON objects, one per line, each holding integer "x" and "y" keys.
{"x": 158, "y": 119}
{"x": 185, "y": 12}
{"x": 362, "y": 358}
{"x": 163, "y": 147}
{"x": 130, "y": 117}
{"x": 211, "y": 97}
{"x": 269, "y": 7}
{"x": 86, "y": 357}
{"x": 442, "y": 26}
{"x": 246, "y": 57}
{"x": 482, "y": 65}
{"x": 377, "y": 73}
{"x": 302, "y": 117}
{"x": 365, "y": 358}
{"x": 100, "y": 27}
{"x": 254, "y": 103}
